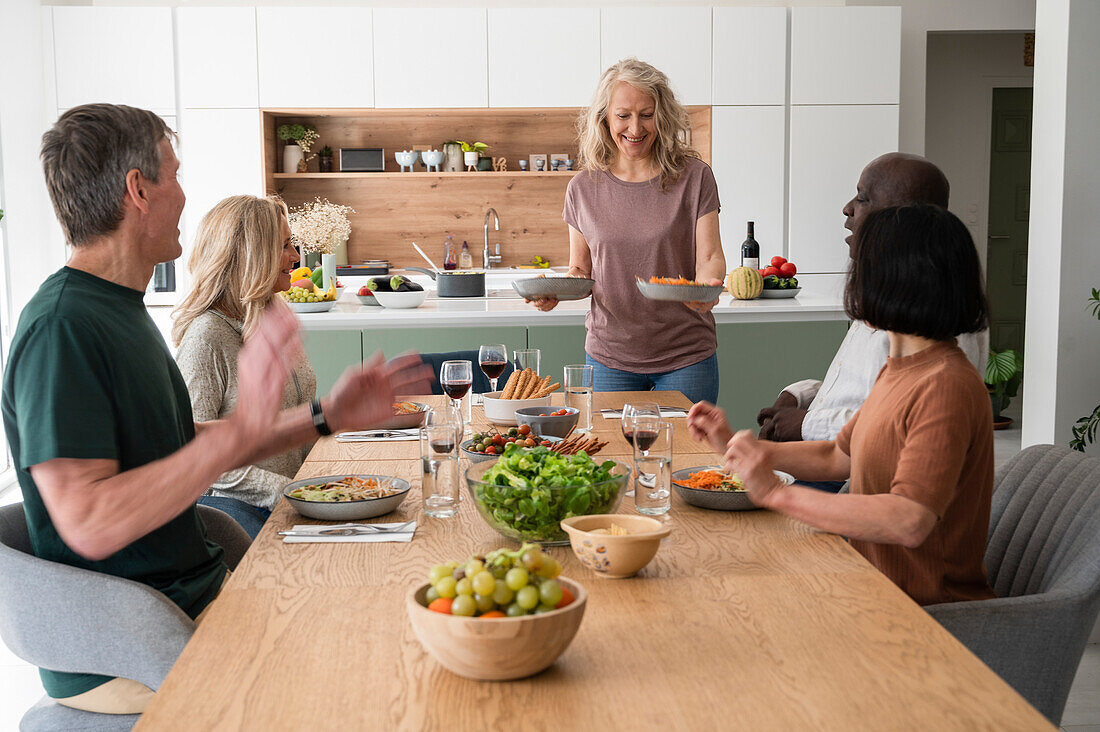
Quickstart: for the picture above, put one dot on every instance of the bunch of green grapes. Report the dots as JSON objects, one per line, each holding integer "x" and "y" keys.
{"x": 501, "y": 584}
{"x": 301, "y": 294}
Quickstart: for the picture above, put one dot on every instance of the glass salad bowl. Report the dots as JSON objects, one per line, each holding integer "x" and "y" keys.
{"x": 525, "y": 494}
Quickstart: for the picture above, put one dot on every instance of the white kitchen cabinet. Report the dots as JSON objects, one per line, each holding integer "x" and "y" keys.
{"x": 430, "y": 57}
{"x": 674, "y": 39}
{"x": 217, "y": 57}
{"x": 220, "y": 156}
{"x": 116, "y": 55}
{"x": 543, "y": 57}
{"x": 829, "y": 147}
{"x": 750, "y": 56}
{"x": 748, "y": 147}
{"x": 329, "y": 65}
{"x": 845, "y": 55}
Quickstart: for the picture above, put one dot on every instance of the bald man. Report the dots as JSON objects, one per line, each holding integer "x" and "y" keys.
{"x": 817, "y": 410}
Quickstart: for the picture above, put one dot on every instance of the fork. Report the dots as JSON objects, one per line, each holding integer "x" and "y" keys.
{"x": 352, "y": 530}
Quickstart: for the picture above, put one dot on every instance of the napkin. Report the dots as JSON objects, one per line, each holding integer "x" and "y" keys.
{"x": 401, "y": 537}
{"x": 379, "y": 435}
{"x": 665, "y": 412}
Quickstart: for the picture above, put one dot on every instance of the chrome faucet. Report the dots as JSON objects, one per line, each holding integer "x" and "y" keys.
{"x": 489, "y": 259}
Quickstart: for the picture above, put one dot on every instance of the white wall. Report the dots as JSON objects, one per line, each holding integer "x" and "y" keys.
{"x": 963, "y": 69}
{"x": 34, "y": 244}
{"x": 1060, "y": 358}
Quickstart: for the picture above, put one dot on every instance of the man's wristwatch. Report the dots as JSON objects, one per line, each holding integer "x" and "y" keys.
{"x": 319, "y": 422}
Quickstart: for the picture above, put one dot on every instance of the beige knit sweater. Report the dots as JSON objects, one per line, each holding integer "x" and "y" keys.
{"x": 207, "y": 358}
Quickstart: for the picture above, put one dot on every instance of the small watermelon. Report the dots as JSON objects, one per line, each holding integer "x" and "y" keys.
{"x": 745, "y": 283}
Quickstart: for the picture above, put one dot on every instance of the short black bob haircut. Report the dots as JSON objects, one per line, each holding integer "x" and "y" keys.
{"x": 915, "y": 271}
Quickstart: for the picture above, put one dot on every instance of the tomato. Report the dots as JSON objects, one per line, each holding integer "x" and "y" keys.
{"x": 498, "y": 439}
{"x": 491, "y": 450}
{"x": 493, "y": 614}
{"x": 545, "y": 443}
{"x": 511, "y": 440}
{"x": 443, "y": 604}
{"x": 787, "y": 269}
{"x": 364, "y": 291}
{"x": 777, "y": 261}
{"x": 529, "y": 442}
{"x": 761, "y": 271}
{"x": 525, "y": 429}
{"x": 566, "y": 598}
{"x": 770, "y": 271}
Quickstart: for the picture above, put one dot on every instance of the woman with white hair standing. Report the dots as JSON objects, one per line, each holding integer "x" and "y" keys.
{"x": 645, "y": 206}
{"x": 243, "y": 257}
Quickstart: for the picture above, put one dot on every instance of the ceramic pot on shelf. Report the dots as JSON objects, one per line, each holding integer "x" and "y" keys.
{"x": 452, "y": 158}
{"x": 292, "y": 156}
{"x": 324, "y": 163}
{"x": 470, "y": 159}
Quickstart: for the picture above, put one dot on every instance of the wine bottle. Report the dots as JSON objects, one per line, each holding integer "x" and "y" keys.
{"x": 750, "y": 251}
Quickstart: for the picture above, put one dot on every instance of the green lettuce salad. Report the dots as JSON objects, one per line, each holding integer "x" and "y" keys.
{"x": 528, "y": 491}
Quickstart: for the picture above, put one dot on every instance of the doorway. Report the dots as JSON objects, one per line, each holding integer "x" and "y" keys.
{"x": 1009, "y": 205}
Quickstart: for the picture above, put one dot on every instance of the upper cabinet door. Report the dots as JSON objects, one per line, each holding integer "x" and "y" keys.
{"x": 430, "y": 57}
{"x": 116, "y": 55}
{"x": 749, "y": 148}
{"x": 541, "y": 57}
{"x": 333, "y": 68}
{"x": 829, "y": 148}
{"x": 217, "y": 57}
{"x": 845, "y": 55}
{"x": 750, "y": 56}
{"x": 675, "y": 40}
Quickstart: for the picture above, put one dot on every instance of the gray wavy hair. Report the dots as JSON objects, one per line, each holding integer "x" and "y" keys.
{"x": 86, "y": 156}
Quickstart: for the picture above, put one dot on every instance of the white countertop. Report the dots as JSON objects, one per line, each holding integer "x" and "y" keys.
{"x": 820, "y": 299}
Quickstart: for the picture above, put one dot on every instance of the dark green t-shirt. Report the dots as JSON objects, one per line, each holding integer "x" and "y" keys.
{"x": 89, "y": 376}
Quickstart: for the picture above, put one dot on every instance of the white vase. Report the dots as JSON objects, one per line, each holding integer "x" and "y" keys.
{"x": 292, "y": 155}
{"x": 328, "y": 267}
{"x": 340, "y": 248}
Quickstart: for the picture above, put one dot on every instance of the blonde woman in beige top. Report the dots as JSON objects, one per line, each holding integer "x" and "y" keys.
{"x": 242, "y": 258}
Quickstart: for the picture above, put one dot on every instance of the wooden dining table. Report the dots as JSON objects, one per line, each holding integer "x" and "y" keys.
{"x": 743, "y": 620}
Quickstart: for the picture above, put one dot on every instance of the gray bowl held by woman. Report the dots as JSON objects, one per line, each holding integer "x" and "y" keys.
{"x": 562, "y": 288}
{"x": 347, "y": 510}
{"x": 541, "y": 422}
{"x": 680, "y": 293}
{"x": 716, "y": 500}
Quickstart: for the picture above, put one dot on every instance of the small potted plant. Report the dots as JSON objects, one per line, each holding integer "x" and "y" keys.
{"x": 1003, "y": 373}
{"x": 324, "y": 159}
{"x": 471, "y": 151}
{"x": 299, "y": 139}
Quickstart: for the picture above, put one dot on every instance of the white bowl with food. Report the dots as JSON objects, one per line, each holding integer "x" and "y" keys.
{"x": 400, "y": 300}
{"x": 346, "y": 497}
{"x": 503, "y": 411}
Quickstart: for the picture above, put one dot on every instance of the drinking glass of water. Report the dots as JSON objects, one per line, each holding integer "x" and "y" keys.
{"x": 653, "y": 470}
{"x": 439, "y": 468}
{"x": 578, "y": 394}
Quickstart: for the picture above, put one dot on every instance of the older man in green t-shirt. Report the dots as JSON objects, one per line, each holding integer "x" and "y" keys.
{"x": 96, "y": 413}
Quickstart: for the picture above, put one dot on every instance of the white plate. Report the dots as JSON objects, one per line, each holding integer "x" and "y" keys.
{"x": 312, "y": 307}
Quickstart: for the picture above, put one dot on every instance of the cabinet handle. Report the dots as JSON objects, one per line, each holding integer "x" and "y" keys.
{"x": 999, "y": 236}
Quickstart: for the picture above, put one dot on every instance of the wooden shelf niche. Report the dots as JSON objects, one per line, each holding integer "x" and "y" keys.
{"x": 395, "y": 208}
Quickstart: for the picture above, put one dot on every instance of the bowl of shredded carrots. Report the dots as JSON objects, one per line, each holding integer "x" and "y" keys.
{"x": 679, "y": 289}
{"x": 714, "y": 487}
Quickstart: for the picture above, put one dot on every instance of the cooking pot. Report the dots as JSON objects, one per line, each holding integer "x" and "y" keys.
{"x": 458, "y": 283}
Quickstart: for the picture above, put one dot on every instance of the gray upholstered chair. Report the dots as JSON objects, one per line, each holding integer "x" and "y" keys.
{"x": 68, "y": 619}
{"x": 1043, "y": 558}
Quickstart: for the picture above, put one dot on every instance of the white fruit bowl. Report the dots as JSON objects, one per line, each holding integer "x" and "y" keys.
{"x": 400, "y": 300}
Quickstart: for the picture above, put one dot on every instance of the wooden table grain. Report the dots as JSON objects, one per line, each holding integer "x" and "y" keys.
{"x": 743, "y": 620}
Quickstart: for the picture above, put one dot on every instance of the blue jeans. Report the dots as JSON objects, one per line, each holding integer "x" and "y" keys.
{"x": 697, "y": 382}
{"x": 251, "y": 518}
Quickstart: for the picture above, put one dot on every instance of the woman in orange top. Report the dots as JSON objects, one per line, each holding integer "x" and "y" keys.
{"x": 919, "y": 453}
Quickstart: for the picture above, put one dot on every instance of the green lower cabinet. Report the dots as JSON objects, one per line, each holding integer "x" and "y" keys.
{"x": 330, "y": 352}
{"x": 393, "y": 341}
{"x": 561, "y": 345}
{"x": 756, "y": 360}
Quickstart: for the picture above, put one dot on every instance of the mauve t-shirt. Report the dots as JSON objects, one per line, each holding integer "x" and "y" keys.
{"x": 637, "y": 230}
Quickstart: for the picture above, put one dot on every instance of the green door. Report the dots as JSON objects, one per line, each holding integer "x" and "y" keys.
{"x": 1009, "y": 203}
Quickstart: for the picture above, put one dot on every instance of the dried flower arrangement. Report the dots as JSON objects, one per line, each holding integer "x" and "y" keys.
{"x": 317, "y": 225}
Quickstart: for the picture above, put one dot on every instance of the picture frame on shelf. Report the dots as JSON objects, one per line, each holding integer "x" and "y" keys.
{"x": 560, "y": 159}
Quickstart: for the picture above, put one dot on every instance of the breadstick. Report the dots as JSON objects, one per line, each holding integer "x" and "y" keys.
{"x": 524, "y": 380}
{"x": 510, "y": 387}
{"x": 532, "y": 382}
{"x": 548, "y": 390}
{"x": 536, "y": 388}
